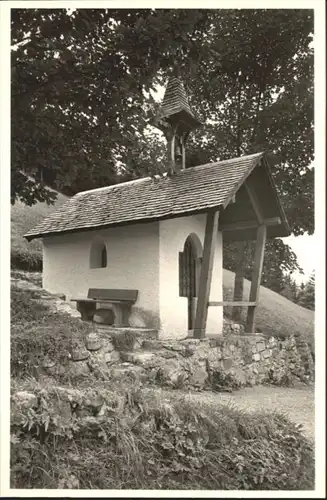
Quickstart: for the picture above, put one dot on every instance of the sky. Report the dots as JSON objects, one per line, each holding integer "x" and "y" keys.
{"x": 304, "y": 248}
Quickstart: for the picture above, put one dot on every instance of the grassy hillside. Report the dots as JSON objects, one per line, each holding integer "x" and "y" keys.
{"x": 26, "y": 255}
{"x": 276, "y": 314}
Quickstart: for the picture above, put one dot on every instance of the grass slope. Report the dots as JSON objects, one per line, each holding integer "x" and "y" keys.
{"x": 276, "y": 315}
{"x": 24, "y": 255}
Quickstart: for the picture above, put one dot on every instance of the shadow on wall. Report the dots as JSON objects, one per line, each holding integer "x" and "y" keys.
{"x": 143, "y": 318}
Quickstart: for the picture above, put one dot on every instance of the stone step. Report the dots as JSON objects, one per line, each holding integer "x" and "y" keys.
{"x": 137, "y": 358}
{"x": 146, "y": 333}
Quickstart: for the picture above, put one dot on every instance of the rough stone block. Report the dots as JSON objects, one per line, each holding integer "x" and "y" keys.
{"x": 173, "y": 346}
{"x": 93, "y": 342}
{"x": 198, "y": 377}
{"x": 254, "y": 348}
{"x": 261, "y": 346}
{"x": 247, "y": 358}
{"x": 212, "y": 355}
{"x": 256, "y": 357}
{"x": 168, "y": 354}
{"x": 152, "y": 344}
{"x": 214, "y": 341}
{"x": 235, "y": 327}
{"x": 227, "y": 363}
{"x": 169, "y": 372}
{"x": 78, "y": 368}
{"x": 48, "y": 364}
{"x": 267, "y": 353}
{"x": 239, "y": 377}
{"x": 112, "y": 357}
{"x": 138, "y": 358}
{"x": 272, "y": 342}
{"x": 190, "y": 341}
{"x": 79, "y": 354}
{"x": 108, "y": 346}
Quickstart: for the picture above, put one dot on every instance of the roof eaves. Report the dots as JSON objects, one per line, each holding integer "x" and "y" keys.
{"x": 236, "y": 187}
{"x": 171, "y": 215}
{"x": 277, "y": 197}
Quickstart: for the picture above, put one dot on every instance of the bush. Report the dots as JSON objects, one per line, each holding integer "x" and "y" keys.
{"x": 38, "y": 335}
{"x": 26, "y": 259}
{"x": 141, "y": 442}
{"x": 28, "y": 255}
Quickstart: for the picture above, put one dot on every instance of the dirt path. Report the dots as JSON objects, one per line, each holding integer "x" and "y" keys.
{"x": 296, "y": 402}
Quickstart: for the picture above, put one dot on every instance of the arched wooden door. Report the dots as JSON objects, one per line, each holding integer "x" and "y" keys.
{"x": 188, "y": 278}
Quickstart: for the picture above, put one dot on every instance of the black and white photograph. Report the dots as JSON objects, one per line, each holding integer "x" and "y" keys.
{"x": 163, "y": 323}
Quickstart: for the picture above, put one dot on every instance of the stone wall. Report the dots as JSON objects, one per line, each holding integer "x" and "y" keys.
{"x": 220, "y": 363}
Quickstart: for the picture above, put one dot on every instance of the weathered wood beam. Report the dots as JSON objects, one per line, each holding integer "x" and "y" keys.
{"x": 210, "y": 241}
{"x": 254, "y": 202}
{"x": 237, "y": 226}
{"x": 256, "y": 277}
{"x": 235, "y": 303}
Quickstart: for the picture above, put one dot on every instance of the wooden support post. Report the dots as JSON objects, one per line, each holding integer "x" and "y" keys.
{"x": 210, "y": 241}
{"x": 254, "y": 202}
{"x": 256, "y": 278}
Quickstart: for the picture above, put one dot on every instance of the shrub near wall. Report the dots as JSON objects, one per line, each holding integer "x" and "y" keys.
{"x": 95, "y": 438}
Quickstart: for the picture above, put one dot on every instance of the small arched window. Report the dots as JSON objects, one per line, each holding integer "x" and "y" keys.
{"x": 98, "y": 254}
{"x": 104, "y": 257}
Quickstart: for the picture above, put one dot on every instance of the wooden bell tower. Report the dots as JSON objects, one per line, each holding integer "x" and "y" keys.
{"x": 176, "y": 120}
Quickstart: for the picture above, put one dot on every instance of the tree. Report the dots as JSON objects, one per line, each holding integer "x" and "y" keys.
{"x": 255, "y": 87}
{"x": 81, "y": 98}
{"x": 289, "y": 289}
{"x": 280, "y": 262}
{"x": 80, "y": 83}
{"x": 307, "y": 295}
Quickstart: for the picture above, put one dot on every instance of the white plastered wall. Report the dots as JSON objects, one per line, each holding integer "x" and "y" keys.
{"x": 132, "y": 263}
{"x": 173, "y": 308}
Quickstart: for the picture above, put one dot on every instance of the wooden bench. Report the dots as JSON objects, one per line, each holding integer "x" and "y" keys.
{"x": 120, "y": 300}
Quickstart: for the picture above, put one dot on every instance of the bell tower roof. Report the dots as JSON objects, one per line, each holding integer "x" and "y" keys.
{"x": 175, "y": 108}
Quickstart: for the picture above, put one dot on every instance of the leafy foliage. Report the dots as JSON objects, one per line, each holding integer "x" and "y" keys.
{"x": 306, "y": 296}
{"x": 79, "y": 81}
{"x": 37, "y": 335}
{"x": 279, "y": 262}
{"x": 256, "y": 80}
{"x": 81, "y": 100}
{"x": 145, "y": 443}
{"x": 28, "y": 255}
{"x": 249, "y": 72}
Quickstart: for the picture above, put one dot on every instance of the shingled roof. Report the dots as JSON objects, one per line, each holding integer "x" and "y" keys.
{"x": 192, "y": 190}
{"x": 175, "y": 105}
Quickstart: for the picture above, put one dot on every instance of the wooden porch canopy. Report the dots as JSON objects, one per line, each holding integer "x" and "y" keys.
{"x": 252, "y": 212}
